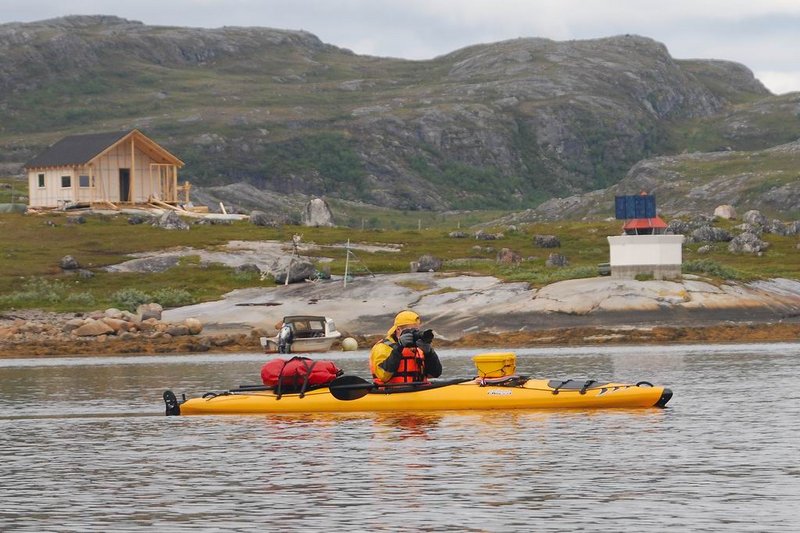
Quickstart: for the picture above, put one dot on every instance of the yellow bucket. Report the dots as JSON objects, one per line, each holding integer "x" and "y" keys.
{"x": 495, "y": 365}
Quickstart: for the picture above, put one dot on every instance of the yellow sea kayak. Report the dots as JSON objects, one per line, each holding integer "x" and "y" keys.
{"x": 351, "y": 393}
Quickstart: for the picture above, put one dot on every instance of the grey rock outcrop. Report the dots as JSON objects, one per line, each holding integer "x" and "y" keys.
{"x": 486, "y": 236}
{"x": 428, "y": 263}
{"x": 260, "y": 218}
{"x": 69, "y": 263}
{"x": 317, "y": 213}
{"x": 170, "y": 221}
{"x": 556, "y": 260}
{"x": 755, "y": 218}
{"x": 296, "y": 270}
{"x": 546, "y": 241}
{"x": 749, "y": 243}
{"x": 709, "y": 234}
{"x": 778, "y": 228}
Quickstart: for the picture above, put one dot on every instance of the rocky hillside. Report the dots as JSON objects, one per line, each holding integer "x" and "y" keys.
{"x": 696, "y": 183}
{"x": 503, "y": 125}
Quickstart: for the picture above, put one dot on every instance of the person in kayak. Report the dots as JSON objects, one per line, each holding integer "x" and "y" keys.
{"x": 405, "y": 355}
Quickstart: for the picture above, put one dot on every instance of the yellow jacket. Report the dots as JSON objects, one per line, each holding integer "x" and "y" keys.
{"x": 384, "y": 370}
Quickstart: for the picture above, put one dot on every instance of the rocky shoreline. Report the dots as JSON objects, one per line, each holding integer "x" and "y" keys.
{"x": 249, "y": 343}
{"x": 464, "y": 311}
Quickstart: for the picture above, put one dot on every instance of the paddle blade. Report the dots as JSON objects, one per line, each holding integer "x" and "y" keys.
{"x": 350, "y": 388}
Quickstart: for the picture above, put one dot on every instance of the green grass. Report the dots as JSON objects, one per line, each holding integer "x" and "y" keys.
{"x": 30, "y": 250}
{"x": 11, "y": 189}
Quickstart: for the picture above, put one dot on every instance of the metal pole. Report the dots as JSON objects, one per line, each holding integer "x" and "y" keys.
{"x": 346, "y": 263}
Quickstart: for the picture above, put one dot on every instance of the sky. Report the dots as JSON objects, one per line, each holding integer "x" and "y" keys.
{"x": 764, "y": 35}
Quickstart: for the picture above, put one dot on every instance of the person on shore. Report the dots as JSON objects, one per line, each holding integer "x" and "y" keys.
{"x": 405, "y": 355}
{"x": 285, "y": 337}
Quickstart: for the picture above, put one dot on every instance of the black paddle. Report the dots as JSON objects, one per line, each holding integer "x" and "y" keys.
{"x": 350, "y": 387}
{"x": 353, "y": 387}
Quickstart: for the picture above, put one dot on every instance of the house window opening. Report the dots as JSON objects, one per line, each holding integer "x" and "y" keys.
{"x": 41, "y": 181}
{"x": 66, "y": 181}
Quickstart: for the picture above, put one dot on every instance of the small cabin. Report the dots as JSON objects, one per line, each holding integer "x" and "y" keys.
{"x": 111, "y": 168}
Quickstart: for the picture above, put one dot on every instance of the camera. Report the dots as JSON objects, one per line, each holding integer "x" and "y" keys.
{"x": 425, "y": 336}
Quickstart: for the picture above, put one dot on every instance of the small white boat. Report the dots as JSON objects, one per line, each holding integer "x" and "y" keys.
{"x": 302, "y": 334}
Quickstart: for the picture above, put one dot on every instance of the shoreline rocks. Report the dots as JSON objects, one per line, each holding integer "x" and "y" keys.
{"x": 31, "y": 327}
{"x": 464, "y": 311}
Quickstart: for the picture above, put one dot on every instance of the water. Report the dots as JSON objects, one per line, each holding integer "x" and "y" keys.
{"x": 85, "y": 447}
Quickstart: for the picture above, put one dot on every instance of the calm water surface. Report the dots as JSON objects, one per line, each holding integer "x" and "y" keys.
{"x": 85, "y": 447}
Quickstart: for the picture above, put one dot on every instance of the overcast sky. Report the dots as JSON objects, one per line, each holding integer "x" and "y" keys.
{"x": 764, "y": 35}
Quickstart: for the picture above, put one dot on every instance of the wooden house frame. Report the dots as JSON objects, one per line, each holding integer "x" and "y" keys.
{"x": 117, "y": 167}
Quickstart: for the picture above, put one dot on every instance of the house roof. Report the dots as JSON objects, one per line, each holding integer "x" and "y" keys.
{"x": 641, "y": 223}
{"x": 81, "y": 149}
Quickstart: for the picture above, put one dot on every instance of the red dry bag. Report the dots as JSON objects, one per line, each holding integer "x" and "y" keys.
{"x": 298, "y": 374}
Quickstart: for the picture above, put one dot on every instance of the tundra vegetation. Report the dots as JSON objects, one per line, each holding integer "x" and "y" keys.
{"x": 31, "y": 247}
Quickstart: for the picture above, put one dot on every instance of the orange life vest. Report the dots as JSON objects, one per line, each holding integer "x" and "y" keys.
{"x": 411, "y": 368}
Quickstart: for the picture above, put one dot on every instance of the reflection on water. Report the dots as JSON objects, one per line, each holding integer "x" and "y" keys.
{"x": 86, "y": 448}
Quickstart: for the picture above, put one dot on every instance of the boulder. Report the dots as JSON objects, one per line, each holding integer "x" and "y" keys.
{"x": 678, "y": 227}
{"x": 295, "y": 270}
{"x": 507, "y": 256}
{"x": 747, "y": 243}
{"x": 745, "y": 227}
{"x": 484, "y": 236}
{"x": 777, "y": 227}
{"x": 725, "y": 211}
{"x": 116, "y": 324}
{"x": 709, "y": 234}
{"x": 178, "y": 330}
{"x": 69, "y": 263}
{"x": 93, "y": 328}
{"x": 194, "y": 326}
{"x": 556, "y": 260}
{"x": 260, "y": 218}
{"x": 130, "y": 317}
{"x": 72, "y": 324}
{"x": 457, "y": 235}
{"x": 148, "y": 311}
{"x": 755, "y": 218}
{"x": 79, "y": 219}
{"x": 546, "y": 241}
{"x": 429, "y": 263}
{"x": 171, "y": 221}
{"x": 112, "y": 312}
{"x": 317, "y": 213}
{"x": 149, "y": 325}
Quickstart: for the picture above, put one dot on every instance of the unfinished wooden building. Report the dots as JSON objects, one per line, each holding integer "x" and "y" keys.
{"x": 110, "y": 168}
